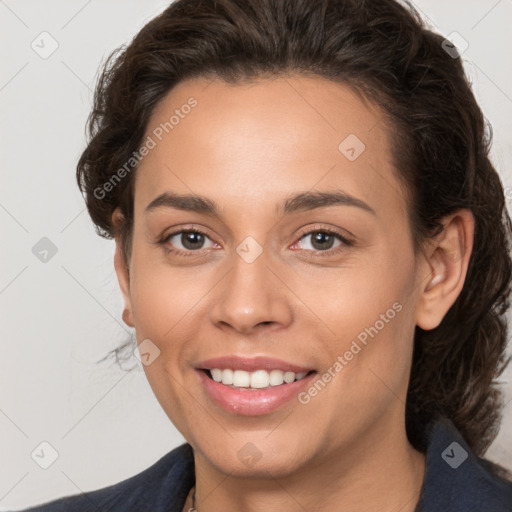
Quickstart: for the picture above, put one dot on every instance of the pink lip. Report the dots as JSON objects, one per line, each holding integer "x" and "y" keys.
{"x": 252, "y": 402}
{"x": 250, "y": 364}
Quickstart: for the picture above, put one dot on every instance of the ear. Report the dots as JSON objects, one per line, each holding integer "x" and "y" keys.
{"x": 122, "y": 268}
{"x": 445, "y": 264}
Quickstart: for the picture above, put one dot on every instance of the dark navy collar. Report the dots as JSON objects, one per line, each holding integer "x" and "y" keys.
{"x": 456, "y": 480}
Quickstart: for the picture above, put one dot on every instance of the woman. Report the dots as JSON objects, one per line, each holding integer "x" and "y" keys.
{"x": 313, "y": 248}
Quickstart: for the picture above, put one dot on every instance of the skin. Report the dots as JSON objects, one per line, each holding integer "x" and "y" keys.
{"x": 248, "y": 147}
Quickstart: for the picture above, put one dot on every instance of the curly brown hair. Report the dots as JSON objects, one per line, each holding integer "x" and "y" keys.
{"x": 441, "y": 142}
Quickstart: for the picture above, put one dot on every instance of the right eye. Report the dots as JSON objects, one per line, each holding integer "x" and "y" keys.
{"x": 191, "y": 241}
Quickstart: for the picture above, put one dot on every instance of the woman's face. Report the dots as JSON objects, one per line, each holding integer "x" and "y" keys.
{"x": 320, "y": 284}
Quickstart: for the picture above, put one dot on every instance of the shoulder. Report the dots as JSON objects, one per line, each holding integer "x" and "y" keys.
{"x": 458, "y": 480}
{"x": 161, "y": 487}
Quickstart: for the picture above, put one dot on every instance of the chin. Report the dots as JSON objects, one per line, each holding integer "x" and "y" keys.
{"x": 255, "y": 459}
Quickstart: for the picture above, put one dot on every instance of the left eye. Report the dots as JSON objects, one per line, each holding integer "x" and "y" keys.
{"x": 322, "y": 240}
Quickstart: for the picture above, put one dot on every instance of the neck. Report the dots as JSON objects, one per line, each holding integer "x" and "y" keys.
{"x": 379, "y": 465}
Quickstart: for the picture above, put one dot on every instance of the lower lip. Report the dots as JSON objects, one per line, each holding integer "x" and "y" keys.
{"x": 249, "y": 401}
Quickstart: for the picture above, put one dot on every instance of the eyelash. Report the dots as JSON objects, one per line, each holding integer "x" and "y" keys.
{"x": 329, "y": 252}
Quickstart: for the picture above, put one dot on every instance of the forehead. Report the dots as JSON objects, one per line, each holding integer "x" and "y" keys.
{"x": 249, "y": 145}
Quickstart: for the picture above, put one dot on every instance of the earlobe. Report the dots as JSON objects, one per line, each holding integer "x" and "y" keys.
{"x": 122, "y": 271}
{"x": 127, "y": 317}
{"x": 123, "y": 277}
{"x": 444, "y": 269}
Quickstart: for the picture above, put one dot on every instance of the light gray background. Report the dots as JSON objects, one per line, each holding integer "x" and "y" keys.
{"x": 61, "y": 316}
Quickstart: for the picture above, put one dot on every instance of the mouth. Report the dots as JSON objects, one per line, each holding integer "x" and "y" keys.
{"x": 252, "y": 386}
{"x": 261, "y": 379}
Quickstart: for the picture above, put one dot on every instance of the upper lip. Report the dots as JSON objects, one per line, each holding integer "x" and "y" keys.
{"x": 250, "y": 364}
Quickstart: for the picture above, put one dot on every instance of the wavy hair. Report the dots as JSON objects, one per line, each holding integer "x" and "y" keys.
{"x": 440, "y": 145}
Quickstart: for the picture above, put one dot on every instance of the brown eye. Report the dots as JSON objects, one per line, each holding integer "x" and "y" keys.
{"x": 192, "y": 240}
{"x": 323, "y": 240}
{"x": 186, "y": 241}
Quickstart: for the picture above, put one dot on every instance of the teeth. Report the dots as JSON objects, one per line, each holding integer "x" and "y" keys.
{"x": 276, "y": 377}
{"x": 289, "y": 377}
{"x": 216, "y": 375}
{"x": 227, "y": 377}
{"x": 241, "y": 379}
{"x": 258, "y": 380}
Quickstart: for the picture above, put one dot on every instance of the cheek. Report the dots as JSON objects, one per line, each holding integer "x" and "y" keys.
{"x": 163, "y": 300}
{"x": 369, "y": 311}
{"x": 357, "y": 298}
{"x": 162, "y": 296}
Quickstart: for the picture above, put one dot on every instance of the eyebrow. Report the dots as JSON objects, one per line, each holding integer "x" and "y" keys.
{"x": 303, "y": 201}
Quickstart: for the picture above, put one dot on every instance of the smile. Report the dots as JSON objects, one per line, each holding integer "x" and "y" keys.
{"x": 259, "y": 379}
{"x": 252, "y": 401}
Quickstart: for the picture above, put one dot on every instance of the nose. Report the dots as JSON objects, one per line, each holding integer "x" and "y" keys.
{"x": 251, "y": 297}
